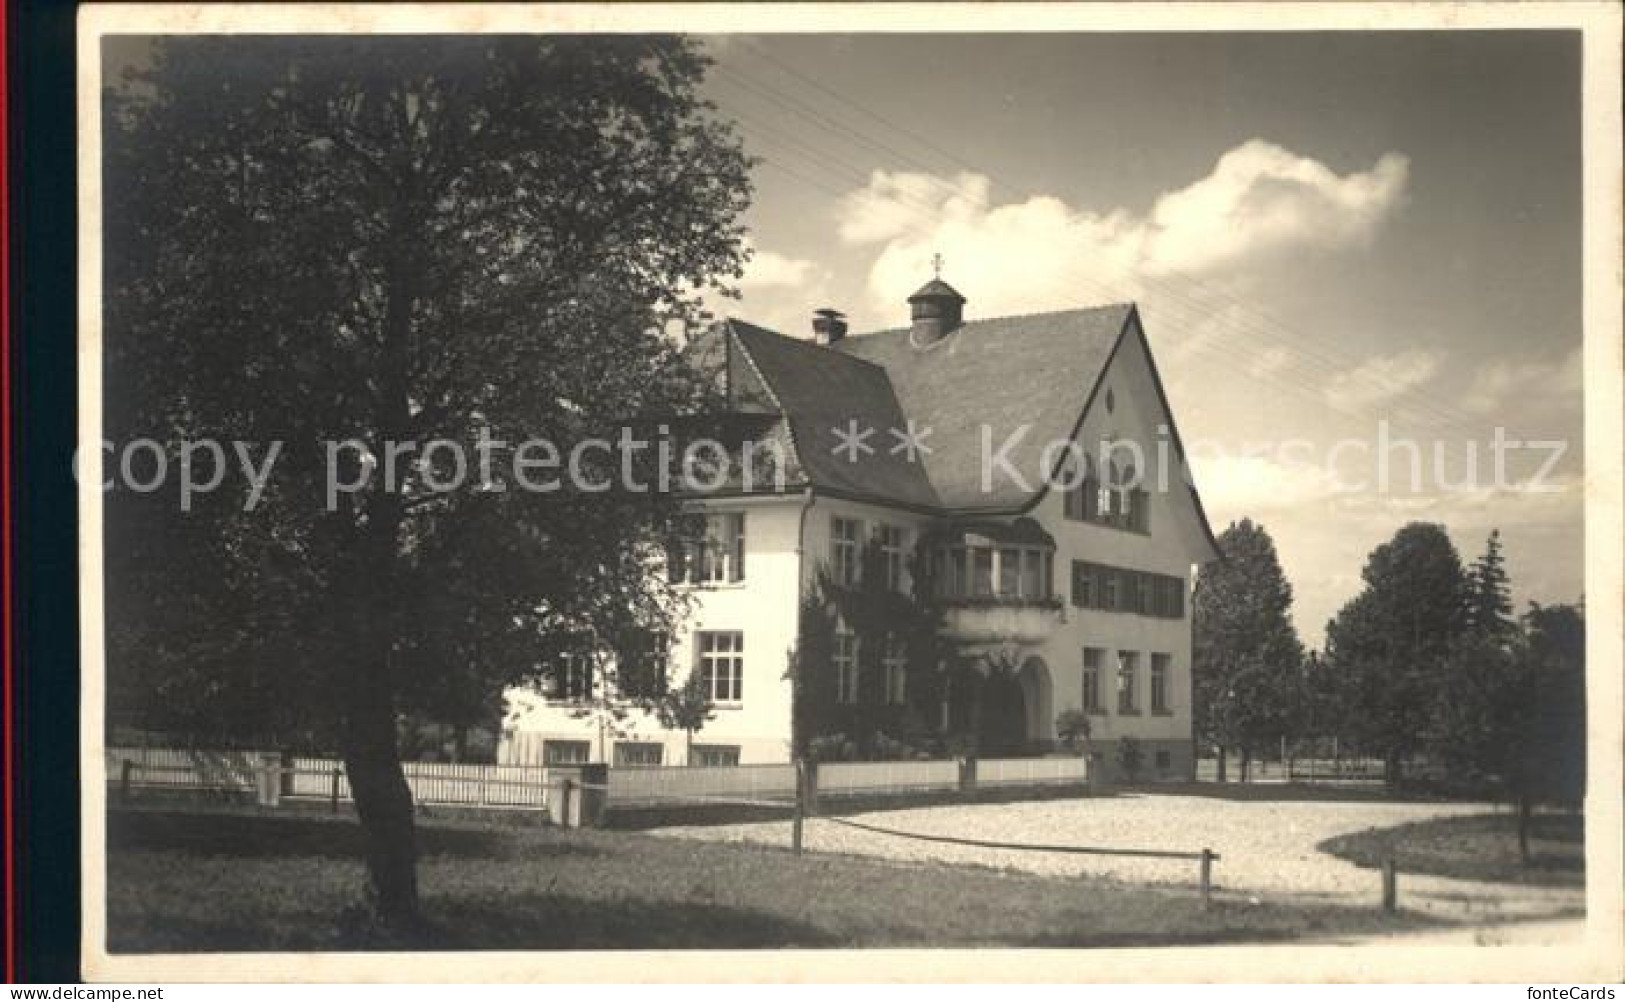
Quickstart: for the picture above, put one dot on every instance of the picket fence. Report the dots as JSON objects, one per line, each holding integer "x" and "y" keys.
{"x": 644, "y": 786}
{"x": 437, "y": 783}
{"x": 526, "y": 786}
{"x": 1031, "y": 771}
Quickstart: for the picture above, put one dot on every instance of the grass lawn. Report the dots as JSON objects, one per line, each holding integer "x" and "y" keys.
{"x": 1475, "y": 847}
{"x": 239, "y": 880}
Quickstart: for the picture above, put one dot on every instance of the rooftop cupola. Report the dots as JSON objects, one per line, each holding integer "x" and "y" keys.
{"x": 937, "y": 311}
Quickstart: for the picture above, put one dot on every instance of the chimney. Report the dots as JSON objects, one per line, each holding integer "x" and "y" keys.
{"x": 937, "y": 310}
{"x": 829, "y": 325}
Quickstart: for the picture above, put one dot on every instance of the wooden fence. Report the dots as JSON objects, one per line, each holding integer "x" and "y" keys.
{"x": 438, "y": 783}
{"x": 664, "y": 784}
{"x": 526, "y": 786}
{"x": 1031, "y": 771}
{"x": 837, "y": 778}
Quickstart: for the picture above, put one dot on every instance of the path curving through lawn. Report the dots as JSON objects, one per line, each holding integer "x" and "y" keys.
{"x": 1269, "y": 849}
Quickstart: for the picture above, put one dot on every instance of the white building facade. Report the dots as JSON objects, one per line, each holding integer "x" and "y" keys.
{"x": 1031, "y": 463}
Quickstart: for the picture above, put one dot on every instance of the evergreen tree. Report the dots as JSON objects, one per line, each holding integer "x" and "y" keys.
{"x": 1489, "y": 610}
{"x": 1246, "y": 654}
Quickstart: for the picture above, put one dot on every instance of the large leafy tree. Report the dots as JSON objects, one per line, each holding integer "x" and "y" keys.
{"x": 1246, "y": 657}
{"x": 1557, "y": 660}
{"x": 396, "y": 240}
{"x": 1511, "y": 711}
{"x": 1390, "y": 644}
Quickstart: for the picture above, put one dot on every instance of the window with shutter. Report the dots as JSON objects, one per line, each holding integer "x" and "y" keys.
{"x": 1083, "y": 585}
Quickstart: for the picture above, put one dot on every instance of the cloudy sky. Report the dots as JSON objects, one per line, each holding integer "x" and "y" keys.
{"x": 1326, "y": 234}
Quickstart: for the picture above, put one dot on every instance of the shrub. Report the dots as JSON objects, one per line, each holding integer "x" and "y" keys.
{"x": 832, "y": 748}
{"x": 1072, "y": 727}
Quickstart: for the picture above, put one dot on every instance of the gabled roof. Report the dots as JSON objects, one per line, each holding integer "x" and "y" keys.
{"x": 1006, "y": 373}
{"x": 821, "y": 394}
{"x": 1039, "y": 372}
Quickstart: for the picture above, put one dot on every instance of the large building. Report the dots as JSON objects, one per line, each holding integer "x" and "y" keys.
{"x": 1030, "y": 464}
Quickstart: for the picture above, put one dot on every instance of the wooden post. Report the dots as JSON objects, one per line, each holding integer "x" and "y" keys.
{"x": 799, "y": 807}
{"x": 335, "y": 799}
{"x": 126, "y": 770}
{"x": 809, "y": 776}
{"x": 1207, "y": 878}
{"x": 1390, "y": 885}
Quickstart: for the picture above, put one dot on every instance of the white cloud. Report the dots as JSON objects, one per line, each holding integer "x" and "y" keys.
{"x": 778, "y": 291}
{"x": 1382, "y": 378}
{"x": 769, "y": 270}
{"x": 1262, "y": 200}
{"x": 1238, "y": 485}
{"x": 1531, "y": 384}
{"x": 1259, "y": 201}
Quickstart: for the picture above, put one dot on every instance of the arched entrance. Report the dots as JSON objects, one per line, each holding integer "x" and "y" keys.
{"x": 1038, "y": 697}
{"x": 1002, "y": 729}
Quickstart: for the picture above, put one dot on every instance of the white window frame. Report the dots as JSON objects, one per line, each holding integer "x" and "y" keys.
{"x": 718, "y": 556}
{"x": 581, "y": 748}
{"x": 659, "y": 653}
{"x": 845, "y": 549}
{"x": 845, "y": 659}
{"x": 893, "y": 541}
{"x": 720, "y": 660}
{"x": 895, "y": 665}
{"x": 574, "y": 677}
{"x": 715, "y": 751}
{"x": 1128, "y": 682}
{"x": 1162, "y": 671}
{"x": 1094, "y": 658}
{"x": 622, "y": 748}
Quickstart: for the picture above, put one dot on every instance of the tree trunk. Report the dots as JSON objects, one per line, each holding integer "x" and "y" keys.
{"x": 384, "y": 803}
{"x": 370, "y": 743}
{"x": 1246, "y": 764}
{"x": 1390, "y": 770}
{"x": 1221, "y": 764}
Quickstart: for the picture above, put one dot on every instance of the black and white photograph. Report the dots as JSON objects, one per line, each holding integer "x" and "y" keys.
{"x": 613, "y": 481}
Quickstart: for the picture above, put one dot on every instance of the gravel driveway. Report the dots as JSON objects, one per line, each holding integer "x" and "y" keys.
{"x": 1267, "y": 849}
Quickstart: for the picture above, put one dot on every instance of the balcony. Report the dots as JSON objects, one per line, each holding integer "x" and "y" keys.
{"x": 996, "y": 582}
{"x": 999, "y": 620}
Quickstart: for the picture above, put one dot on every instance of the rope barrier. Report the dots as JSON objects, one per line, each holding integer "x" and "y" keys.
{"x": 1079, "y": 850}
{"x": 1023, "y": 846}
{"x": 673, "y": 800}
